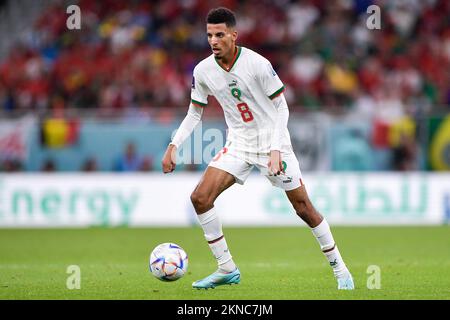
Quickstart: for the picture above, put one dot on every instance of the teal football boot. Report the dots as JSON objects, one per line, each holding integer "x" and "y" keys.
{"x": 346, "y": 282}
{"x": 218, "y": 278}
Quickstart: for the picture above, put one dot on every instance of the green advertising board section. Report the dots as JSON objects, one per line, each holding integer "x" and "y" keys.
{"x": 439, "y": 143}
{"x": 403, "y": 199}
{"x": 74, "y": 200}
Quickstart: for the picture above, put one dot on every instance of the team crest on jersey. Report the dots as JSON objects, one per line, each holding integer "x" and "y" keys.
{"x": 193, "y": 83}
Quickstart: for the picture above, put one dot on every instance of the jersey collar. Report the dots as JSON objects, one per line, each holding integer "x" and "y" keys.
{"x": 236, "y": 56}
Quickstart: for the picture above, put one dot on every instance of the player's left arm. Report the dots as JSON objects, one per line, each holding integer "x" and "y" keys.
{"x": 275, "y": 162}
{"x": 273, "y": 87}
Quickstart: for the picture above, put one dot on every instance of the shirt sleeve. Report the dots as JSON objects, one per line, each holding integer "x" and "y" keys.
{"x": 199, "y": 91}
{"x": 191, "y": 120}
{"x": 280, "y": 122}
{"x": 270, "y": 82}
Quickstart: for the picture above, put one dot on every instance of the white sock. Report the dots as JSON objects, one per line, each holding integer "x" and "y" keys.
{"x": 212, "y": 228}
{"x": 323, "y": 235}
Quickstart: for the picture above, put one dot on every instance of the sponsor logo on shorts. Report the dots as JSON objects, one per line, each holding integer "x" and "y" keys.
{"x": 288, "y": 180}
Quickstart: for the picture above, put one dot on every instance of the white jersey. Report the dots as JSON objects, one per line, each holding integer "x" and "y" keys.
{"x": 245, "y": 92}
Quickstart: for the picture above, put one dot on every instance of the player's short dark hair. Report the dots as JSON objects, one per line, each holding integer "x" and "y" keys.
{"x": 221, "y": 15}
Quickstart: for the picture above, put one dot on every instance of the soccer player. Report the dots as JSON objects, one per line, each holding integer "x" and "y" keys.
{"x": 251, "y": 95}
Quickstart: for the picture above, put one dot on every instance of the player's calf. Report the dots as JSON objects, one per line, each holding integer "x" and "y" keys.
{"x": 303, "y": 206}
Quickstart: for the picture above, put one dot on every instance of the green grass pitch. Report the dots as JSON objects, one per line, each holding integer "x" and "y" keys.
{"x": 276, "y": 263}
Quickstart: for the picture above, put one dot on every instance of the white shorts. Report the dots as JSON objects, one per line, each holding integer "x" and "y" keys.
{"x": 240, "y": 164}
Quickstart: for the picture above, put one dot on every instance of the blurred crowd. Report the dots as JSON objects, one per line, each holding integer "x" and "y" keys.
{"x": 132, "y": 57}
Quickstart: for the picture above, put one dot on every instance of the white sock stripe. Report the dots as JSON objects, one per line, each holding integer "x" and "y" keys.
{"x": 220, "y": 263}
{"x": 207, "y": 217}
{"x": 212, "y": 236}
{"x": 212, "y": 229}
{"x": 322, "y": 229}
{"x": 323, "y": 234}
{"x": 328, "y": 248}
{"x": 212, "y": 241}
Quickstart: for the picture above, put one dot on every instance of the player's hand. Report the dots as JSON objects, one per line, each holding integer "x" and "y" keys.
{"x": 275, "y": 166}
{"x": 168, "y": 161}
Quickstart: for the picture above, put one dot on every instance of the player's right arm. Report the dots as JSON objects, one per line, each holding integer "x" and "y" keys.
{"x": 191, "y": 120}
{"x": 199, "y": 96}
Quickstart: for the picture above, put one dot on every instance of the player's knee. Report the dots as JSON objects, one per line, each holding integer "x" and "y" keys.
{"x": 307, "y": 213}
{"x": 200, "y": 201}
{"x": 196, "y": 198}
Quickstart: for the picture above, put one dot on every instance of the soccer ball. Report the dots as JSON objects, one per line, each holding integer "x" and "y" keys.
{"x": 168, "y": 262}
